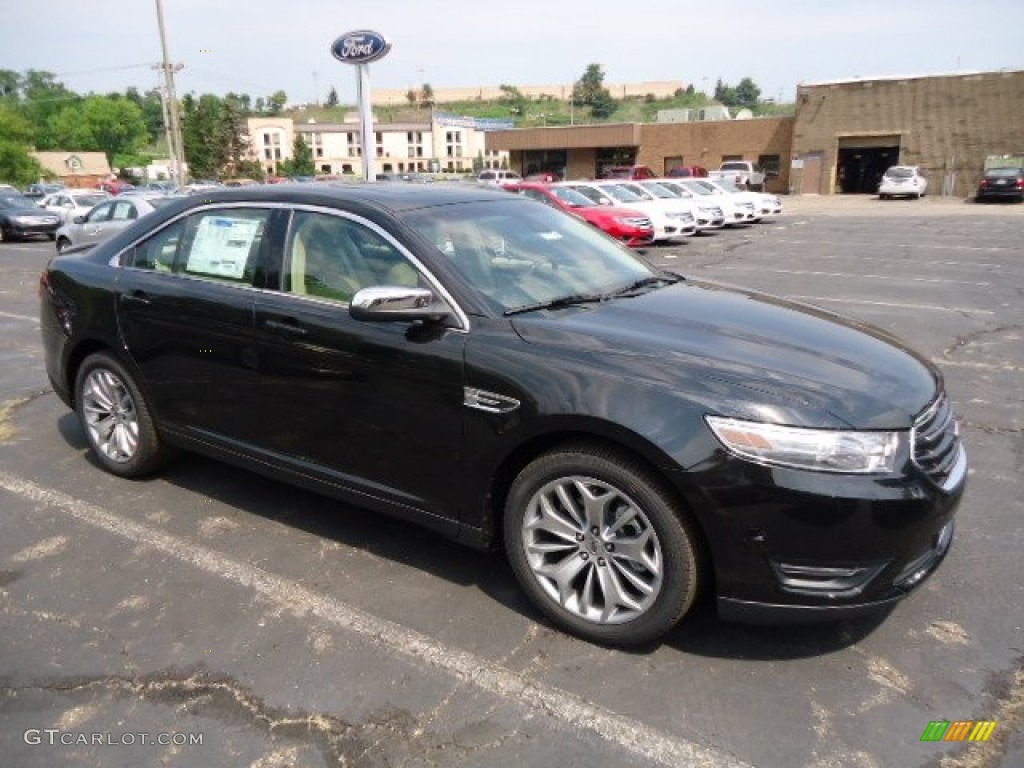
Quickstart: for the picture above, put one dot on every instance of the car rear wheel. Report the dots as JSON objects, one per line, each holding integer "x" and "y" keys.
{"x": 599, "y": 546}
{"x": 116, "y": 418}
{"x": 62, "y": 243}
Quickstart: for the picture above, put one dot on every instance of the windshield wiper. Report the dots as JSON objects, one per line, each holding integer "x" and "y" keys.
{"x": 560, "y": 302}
{"x": 666, "y": 278}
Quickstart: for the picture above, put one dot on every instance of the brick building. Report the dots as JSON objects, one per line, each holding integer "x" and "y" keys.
{"x": 847, "y": 133}
{"x": 841, "y": 139}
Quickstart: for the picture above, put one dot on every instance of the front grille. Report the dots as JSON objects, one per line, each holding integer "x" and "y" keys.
{"x": 937, "y": 449}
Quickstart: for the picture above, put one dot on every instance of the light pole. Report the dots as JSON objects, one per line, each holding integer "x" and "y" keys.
{"x": 174, "y": 129}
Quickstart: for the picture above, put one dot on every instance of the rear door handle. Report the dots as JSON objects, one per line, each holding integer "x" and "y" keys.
{"x": 288, "y": 325}
{"x": 137, "y": 297}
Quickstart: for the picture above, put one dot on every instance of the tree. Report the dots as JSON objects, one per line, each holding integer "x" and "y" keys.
{"x": 332, "y": 97}
{"x": 514, "y": 99}
{"x": 589, "y": 91}
{"x": 100, "y": 123}
{"x": 411, "y": 97}
{"x": 428, "y": 93}
{"x": 17, "y": 166}
{"x": 10, "y": 86}
{"x": 748, "y": 94}
{"x": 42, "y": 98}
{"x": 301, "y": 163}
{"x": 205, "y": 135}
{"x": 276, "y": 102}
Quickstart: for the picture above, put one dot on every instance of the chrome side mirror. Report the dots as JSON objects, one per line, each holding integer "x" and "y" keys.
{"x": 396, "y": 303}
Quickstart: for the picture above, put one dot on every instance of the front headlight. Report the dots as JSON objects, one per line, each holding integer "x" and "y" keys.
{"x": 822, "y": 450}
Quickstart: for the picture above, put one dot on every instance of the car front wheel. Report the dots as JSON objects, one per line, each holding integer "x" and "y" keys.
{"x": 600, "y": 546}
{"x": 116, "y": 418}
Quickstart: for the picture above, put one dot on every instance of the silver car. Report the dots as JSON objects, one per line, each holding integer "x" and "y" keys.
{"x": 109, "y": 217}
{"x": 69, "y": 203}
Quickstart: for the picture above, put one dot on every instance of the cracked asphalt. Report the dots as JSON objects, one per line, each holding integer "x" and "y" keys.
{"x": 287, "y": 630}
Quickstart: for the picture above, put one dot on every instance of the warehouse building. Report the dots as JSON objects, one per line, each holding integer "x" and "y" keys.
{"x": 840, "y": 141}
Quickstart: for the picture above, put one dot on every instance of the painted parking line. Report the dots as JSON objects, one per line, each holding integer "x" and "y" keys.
{"x": 760, "y": 269}
{"x": 891, "y": 304}
{"x": 569, "y": 709}
{"x": 877, "y": 244}
{"x": 26, "y": 318}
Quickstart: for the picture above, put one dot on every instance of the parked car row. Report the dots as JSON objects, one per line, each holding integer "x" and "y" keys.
{"x": 639, "y": 212}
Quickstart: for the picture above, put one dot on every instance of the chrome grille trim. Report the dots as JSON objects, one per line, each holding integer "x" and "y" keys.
{"x": 936, "y": 442}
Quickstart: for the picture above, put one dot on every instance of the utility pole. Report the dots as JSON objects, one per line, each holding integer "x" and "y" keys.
{"x": 174, "y": 128}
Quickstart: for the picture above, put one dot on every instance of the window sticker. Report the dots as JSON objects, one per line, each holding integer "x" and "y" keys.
{"x": 221, "y": 246}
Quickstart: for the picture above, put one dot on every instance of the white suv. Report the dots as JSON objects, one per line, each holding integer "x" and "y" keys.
{"x": 498, "y": 177}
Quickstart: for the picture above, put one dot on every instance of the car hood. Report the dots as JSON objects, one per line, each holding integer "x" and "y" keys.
{"x": 747, "y": 354}
{"x": 27, "y": 210}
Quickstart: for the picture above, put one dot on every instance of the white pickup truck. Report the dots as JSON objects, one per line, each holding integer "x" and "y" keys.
{"x": 743, "y": 172}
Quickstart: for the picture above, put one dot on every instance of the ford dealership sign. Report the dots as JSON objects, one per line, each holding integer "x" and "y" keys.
{"x": 360, "y": 47}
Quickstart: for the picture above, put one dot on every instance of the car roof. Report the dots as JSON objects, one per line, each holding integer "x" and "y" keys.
{"x": 392, "y": 197}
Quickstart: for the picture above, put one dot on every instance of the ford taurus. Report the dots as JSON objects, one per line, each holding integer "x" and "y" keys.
{"x": 504, "y": 374}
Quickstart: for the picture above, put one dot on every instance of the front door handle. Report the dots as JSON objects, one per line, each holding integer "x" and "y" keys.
{"x": 289, "y": 326}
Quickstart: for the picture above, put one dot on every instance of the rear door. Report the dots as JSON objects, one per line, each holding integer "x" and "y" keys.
{"x": 185, "y": 307}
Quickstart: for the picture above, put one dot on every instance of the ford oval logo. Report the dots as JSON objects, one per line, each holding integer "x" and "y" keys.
{"x": 360, "y": 47}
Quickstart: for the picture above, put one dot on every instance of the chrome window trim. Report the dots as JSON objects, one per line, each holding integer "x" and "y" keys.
{"x": 461, "y": 316}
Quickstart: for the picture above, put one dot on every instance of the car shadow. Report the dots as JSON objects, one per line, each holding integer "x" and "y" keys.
{"x": 701, "y": 634}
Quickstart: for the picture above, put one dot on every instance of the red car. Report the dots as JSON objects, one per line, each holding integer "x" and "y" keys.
{"x": 687, "y": 172}
{"x": 115, "y": 187}
{"x": 624, "y": 224}
{"x": 634, "y": 172}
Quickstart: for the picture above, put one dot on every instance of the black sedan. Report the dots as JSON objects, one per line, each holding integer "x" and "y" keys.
{"x": 20, "y": 217}
{"x": 502, "y": 373}
{"x": 1001, "y": 184}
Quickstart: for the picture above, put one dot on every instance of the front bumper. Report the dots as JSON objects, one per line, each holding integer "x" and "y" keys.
{"x": 19, "y": 229}
{"x": 794, "y": 546}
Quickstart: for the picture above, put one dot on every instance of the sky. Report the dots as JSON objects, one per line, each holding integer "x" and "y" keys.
{"x": 261, "y": 46}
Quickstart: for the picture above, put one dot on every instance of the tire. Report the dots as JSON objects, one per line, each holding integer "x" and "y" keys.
{"x": 62, "y": 243}
{"x": 633, "y": 544}
{"x": 3, "y": 235}
{"x": 116, "y": 418}
{"x": 52, "y": 235}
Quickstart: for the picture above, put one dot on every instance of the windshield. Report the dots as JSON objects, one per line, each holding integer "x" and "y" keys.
{"x": 900, "y": 173}
{"x": 622, "y": 193}
{"x": 518, "y": 253}
{"x": 16, "y": 201}
{"x": 660, "y": 191}
{"x": 88, "y": 201}
{"x": 676, "y": 189}
{"x": 160, "y": 202}
{"x": 697, "y": 188}
{"x": 572, "y": 197}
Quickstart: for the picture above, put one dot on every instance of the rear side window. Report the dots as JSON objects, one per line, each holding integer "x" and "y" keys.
{"x": 220, "y": 245}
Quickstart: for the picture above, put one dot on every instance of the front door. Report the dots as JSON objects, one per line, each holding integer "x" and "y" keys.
{"x": 373, "y": 407}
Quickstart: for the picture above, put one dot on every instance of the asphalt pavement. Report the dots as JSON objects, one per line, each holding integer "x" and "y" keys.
{"x": 208, "y": 616}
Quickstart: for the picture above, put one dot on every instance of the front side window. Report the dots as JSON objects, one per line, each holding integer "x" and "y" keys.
{"x": 100, "y": 213}
{"x": 330, "y": 257}
{"x": 123, "y": 211}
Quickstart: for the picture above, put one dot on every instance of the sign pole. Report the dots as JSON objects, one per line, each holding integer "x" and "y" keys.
{"x": 360, "y": 48}
{"x": 368, "y": 137}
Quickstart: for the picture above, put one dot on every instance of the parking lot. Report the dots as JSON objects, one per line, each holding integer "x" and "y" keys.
{"x": 284, "y": 629}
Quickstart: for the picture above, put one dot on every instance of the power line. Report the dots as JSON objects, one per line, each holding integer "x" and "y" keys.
{"x": 97, "y": 71}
